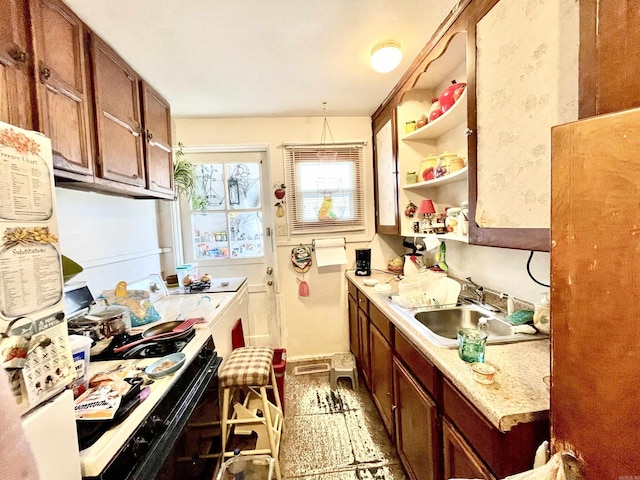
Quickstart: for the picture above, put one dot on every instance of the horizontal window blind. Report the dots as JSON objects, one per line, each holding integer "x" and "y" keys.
{"x": 325, "y": 188}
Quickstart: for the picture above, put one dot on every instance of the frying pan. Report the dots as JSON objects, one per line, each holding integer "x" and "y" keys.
{"x": 165, "y": 330}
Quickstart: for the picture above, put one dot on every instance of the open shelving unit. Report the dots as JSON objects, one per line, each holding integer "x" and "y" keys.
{"x": 445, "y": 134}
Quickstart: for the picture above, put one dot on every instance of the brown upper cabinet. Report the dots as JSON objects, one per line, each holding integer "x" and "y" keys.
{"x": 15, "y": 60}
{"x": 609, "y": 70}
{"x": 385, "y": 148}
{"x": 521, "y": 71}
{"x": 62, "y": 85}
{"x": 119, "y": 133}
{"x": 159, "y": 157}
{"x": 110, "y": 131}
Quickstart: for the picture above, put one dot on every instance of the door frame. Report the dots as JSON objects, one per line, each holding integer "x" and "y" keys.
{"x": 268, "y": 220}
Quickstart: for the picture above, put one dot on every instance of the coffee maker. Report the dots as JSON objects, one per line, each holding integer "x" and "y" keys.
{"x": 363, "y": 262}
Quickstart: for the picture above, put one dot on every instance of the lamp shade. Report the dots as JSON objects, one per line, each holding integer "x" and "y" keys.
{"x": 426, "y": 206}
{"x": 386, "y": 56}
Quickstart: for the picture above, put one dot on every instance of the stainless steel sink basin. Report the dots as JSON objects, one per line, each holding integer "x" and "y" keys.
{"x": 441, "y": 325}
{"x": 447, "y": 322}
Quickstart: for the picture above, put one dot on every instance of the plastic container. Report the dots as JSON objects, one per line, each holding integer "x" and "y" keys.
{"x": 542, "y": 315}
{"x": 80, "y": 348}
{"x": 247, "y": 467}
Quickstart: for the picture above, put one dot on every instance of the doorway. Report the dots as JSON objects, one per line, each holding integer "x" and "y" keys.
{"x": 226, "y": 227}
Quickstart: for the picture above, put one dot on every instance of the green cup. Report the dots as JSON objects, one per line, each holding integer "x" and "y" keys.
{"x": 471, "y": 344}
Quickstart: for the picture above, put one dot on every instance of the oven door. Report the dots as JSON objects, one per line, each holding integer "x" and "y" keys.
{"x": 147, "y": 450}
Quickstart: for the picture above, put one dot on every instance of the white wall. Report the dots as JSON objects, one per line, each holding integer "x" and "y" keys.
{"x": 316, "y": 325}
{"x": 112, "y": 238}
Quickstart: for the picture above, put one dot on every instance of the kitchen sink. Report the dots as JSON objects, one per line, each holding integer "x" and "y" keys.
{"x": 441, "y": 325}
{"x": 447, "y": 322}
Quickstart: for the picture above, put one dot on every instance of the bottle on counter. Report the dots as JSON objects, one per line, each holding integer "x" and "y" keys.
{"x": 542, "y": 315}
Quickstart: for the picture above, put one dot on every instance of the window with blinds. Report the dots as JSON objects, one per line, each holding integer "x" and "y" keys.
{"x": 325, "y": 188}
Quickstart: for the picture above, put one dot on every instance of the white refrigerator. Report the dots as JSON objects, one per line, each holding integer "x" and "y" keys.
{"x": 34, "y": 344}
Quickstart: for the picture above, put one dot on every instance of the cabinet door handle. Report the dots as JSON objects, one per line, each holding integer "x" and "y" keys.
{"x": 134, "y": 176}
{"x": 18, "y": 55}
{"x": 124, "y": 125}
{"x": 468, "y": 132}
{"x": 149, "y": 135}
{"x": 45, "y": 73}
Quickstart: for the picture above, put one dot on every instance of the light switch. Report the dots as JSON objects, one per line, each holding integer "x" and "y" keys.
{"x": 281, "y": 230}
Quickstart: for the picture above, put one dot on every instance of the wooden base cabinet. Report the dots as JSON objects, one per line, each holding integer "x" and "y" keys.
{"x": 354, "y": 329}
{"x": 381, "y": 376}
{"x": 460, "y": 461}
{"x": 416, "y": 419}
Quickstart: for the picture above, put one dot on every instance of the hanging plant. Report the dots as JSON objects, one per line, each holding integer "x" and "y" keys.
{"x": 184, "y": 176}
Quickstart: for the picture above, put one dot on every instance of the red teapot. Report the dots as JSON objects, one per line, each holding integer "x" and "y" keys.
{"x": 450, "y": 94}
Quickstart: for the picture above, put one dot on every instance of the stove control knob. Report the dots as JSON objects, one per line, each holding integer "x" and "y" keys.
{"x": 156, "y": 424}
{"x": 140, "y": 447}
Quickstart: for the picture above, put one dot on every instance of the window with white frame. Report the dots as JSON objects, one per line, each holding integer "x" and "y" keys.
{"x": 325, "y": 188}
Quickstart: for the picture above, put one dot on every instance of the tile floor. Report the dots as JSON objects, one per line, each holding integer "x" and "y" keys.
{"x": 333, "y": 435}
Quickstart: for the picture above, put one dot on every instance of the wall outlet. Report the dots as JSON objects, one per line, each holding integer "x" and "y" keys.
{"x": 281, "y": 230}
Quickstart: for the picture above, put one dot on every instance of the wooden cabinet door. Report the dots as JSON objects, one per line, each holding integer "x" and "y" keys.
{"x": 62, "y": 85}
{"x": 15, "y": 84}
{"x": 118, "y": 121}
{"x": 416, "y": 421}
{"x": 365, "y": 359}
{"x": 460, "y": 461}
{"x": 609, "y": 72}
{"x": 601, "y": 425}
{"x": 381, "y": 374}
{"x": 385, "y": 151}
{"x": 354, "y": 331}
{"x": 158, "y": 155}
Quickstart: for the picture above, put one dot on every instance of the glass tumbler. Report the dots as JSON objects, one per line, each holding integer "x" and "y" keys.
{"x": 471, "y": 344}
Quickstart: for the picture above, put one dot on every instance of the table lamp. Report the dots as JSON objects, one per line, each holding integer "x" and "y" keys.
{"x": 427, "y": 209}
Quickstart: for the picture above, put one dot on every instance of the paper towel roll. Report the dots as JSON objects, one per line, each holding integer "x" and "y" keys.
{"x": 330, "y": 251}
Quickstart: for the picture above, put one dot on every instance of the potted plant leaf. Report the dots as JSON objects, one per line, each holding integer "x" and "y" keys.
{"x": 184, "y": 176}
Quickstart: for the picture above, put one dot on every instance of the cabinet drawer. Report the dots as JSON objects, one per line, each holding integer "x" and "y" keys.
{"x": 380, "y": 321}
{"x": 353, "y": 290}
{"x": 505, "y": 453}
{"x": 363, "y": 302}
{"x": 421, "y": 368}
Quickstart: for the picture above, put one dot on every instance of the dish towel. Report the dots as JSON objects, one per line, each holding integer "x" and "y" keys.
{"x": 330, "y": 251}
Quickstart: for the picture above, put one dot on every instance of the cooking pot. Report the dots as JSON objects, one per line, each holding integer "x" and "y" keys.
{"x": 102, "y": 325}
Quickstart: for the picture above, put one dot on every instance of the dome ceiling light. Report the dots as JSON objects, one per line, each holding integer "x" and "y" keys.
{"x": 386, "y": 56}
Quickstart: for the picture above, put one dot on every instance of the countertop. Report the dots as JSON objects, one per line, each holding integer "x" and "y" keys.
{"x": 518, "y": 394}
{"x": 213, "y": 308}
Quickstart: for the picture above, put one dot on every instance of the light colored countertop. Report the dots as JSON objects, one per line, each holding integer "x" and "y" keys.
{"x": 518, "y": 394}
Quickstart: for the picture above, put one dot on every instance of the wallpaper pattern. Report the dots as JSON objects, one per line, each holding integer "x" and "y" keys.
{"x": 527, "y": 81}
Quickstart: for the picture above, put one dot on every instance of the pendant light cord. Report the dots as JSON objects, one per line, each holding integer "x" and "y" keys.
{"x": 530, "y": 274}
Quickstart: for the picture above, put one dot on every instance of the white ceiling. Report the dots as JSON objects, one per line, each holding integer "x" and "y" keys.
{"x": 249, "y": 58}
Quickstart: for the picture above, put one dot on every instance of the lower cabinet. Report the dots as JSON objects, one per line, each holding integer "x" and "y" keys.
{"x": 439, "y": 434}
{"x": 354, "y": 330}
{"x": 416, "y": 419}
{"x": 381, "y": 376}
{"x": 460, "y": 461}
{"x": 365, "y": 357}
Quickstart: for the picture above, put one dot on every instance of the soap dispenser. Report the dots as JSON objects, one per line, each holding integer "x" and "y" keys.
{"x": 542, "y": 315}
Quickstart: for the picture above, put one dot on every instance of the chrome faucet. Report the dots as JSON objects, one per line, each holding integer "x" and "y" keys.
{"x": 479, "y": 290}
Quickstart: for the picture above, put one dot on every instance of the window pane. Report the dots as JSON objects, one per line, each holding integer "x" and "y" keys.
{"x": 246, "y": 232}
{"x": 210, "y": 235}
{"x": 243, "y": 185}
{"x": 210, "y": 191}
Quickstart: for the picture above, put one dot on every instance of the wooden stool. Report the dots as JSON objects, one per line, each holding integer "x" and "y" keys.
{"x": 251, "y": 368}
{"x": 343, "y": 365}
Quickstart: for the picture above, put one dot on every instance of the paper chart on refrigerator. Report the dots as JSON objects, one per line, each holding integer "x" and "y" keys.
{"x": 31, "y": 281}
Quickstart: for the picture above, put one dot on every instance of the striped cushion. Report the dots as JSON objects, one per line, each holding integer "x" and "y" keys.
{"x": 247, "y": 366}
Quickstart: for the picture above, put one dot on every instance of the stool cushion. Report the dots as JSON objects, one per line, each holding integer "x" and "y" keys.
{"x": 248, "y": 366}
